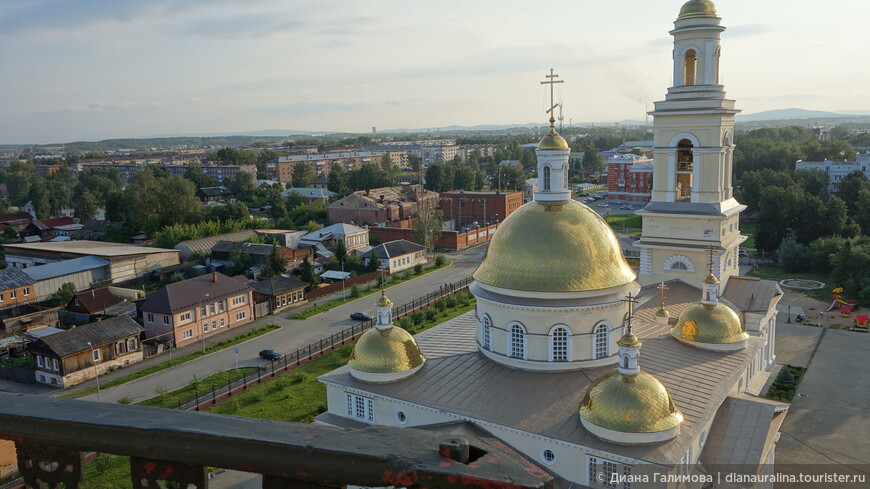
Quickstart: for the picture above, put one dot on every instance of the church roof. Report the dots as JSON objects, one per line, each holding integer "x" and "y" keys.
{"x": 458, "y": 379}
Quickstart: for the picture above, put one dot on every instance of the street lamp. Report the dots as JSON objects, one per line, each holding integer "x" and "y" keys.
{"x": 789, "y": 314}
{"x": 96, "y": 373}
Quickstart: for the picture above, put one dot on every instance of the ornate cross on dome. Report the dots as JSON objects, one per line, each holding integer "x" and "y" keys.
{"x": 631, "y": 300}
{"x": 662, "y": 287}
{"x": 552, "y": 82}
{"x": 711, "y": 250}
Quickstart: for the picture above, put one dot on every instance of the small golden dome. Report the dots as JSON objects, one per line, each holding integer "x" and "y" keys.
{"x": 663, "y": 313}
{"x": 554, "y": 247}
{"x": 384, "y": 301}
{"x": 553, "y": 142}
{"x": 711, "y": 280}
{"x": 715, "y": 324}
{"x": 629, "y": 340}
{"x": 697, "y": 8}
{"x": 630, "y": 404}
{"x": 386, "y": 351}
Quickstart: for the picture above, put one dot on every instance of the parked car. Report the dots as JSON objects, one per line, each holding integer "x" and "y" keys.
{"x": 271, "y": 355}
{"x": 360, "y": 316}
{"x": 604, "y": 204}
{"x": 626, "y": 207}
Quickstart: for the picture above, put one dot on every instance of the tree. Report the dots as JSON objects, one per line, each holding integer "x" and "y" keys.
{"x": 506, "y": 177}
{"x": 85, "y": 206}
{"x": 241, "y": 263}
{"x": 337, "y": 179}
{"x": 340, "y": 250}
{"x": 278, "y": 210}
{"x": 242, "y": 184}
{"x": 198, "y": 177}
{"x": 63, "y": 295}
{"x": 427, "y": 228}
{"x": 277, "y": 263}
{"x": 391, "y": 171}
{"x": 790, "y": 254}
{"x": 850, "y": 187}
{"x": 306, "y": 273}
{"x": 415, "y": 162}
{"x": 303, "y": 175}
{"x": 593, "y": 162}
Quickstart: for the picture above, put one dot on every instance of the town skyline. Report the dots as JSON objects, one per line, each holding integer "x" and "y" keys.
{"x": 94, "y": 70}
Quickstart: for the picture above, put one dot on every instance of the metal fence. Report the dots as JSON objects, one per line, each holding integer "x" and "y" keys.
{"x": 314, "y": 350}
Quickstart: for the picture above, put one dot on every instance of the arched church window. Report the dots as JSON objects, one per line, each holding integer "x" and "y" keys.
{"x": 707, "y": 294}
{"x": 487, "y": 333}
{"x": 685, "y": 167}
{"x": 678, "y": 265}
{"x": 546, "y": 178}
{"x": 600, "y": 335}
{"x": 625, "y": 362}
{"x": 559, "y": 344}
{"x": 518, "y": 341}
{"x": 691, "y": 63}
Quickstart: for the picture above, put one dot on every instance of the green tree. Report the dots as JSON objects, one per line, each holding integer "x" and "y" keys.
{"x": 242, "y": 185}
{"x": 85, "y": 206}
{"x": 195, "y": 174}
{"x": 391, "y": 171}
{"x": 790, "y": 254}
{"x": 277, "y": 263}
{"x": 849, "y": 189}
{"x": 340, "y": 250}
{"x": 63, "y": 295}
{"x": 306, "y": 273}
{"x": 337, "y": 180}
{"x": 303, "y": 175}
{"x": 427, "y": 228}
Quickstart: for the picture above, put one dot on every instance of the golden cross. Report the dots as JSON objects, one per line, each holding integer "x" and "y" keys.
{"x": 712, "y": 250}
{"x": 552, "y": 82}
{"x": 662, "y": 287}
{"x": 631, "y": 300}
{"x": 383, "y": 281}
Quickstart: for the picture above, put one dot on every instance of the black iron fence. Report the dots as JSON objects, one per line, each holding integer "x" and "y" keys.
{"x": 313, "y": 350}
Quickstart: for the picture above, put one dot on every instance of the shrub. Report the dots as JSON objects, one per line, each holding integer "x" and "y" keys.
{"x": 354, "y": 291}
{"x": 417, "y": 317}
{"x": 440, "y": 260}
{"x": 418, "y": 269}
{"x": 440, "y": 305}
{"x": 125, "y": 400}
{"x": 430, "y": 313}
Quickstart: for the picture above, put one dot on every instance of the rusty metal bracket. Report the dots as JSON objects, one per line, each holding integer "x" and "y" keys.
{"x": 148, "y": 474}
{"x": 49, "y": 467}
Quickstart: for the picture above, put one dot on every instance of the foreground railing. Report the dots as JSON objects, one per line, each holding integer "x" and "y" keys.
{"x": 177, "y": 447}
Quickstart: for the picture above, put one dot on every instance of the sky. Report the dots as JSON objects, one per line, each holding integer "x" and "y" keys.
{"x": 98, "y": 69}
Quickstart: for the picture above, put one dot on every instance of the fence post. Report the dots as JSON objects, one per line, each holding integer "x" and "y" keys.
{"x": 196, "y": 400}
{"x": 213, "y": 396}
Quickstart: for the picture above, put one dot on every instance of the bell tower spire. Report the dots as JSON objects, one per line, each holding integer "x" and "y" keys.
{"x": 692, "y": 205}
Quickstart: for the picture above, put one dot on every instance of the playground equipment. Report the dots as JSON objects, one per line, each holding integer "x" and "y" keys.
{"x": 847, "y": 306}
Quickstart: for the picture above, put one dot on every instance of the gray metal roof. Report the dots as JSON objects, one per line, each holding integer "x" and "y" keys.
{"x": 392, "y": 249}
{"x": 309, "y": 193}
{"x": 204, "y": 245}
{"x": 278, "y": 285}
{"x": 76, "y": 340}
{"x": 743, "y": 432}
{"x": 247, "y": 248}
{"x": 458, "y": 379}
{"x": 14, "y": 277}
{"x": 750, "y": 294}
{"x": 66, "y": 267}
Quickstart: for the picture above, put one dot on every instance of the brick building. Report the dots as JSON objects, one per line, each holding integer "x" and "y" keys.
{"x": 381, "y": 205}
{"x": 629, "y": 179}
{"x": 478, "y": 208}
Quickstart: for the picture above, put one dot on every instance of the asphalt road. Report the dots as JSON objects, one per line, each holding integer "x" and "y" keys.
{"x": 295, "y": 333}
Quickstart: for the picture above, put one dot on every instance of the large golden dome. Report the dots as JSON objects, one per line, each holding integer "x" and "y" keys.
{"x": 630, "y": 404}
{"x": 697, "y": 8}
{"x": 712, "y": 324}
{"x": 386, "y": 351}
{"x": 554, "y": 247}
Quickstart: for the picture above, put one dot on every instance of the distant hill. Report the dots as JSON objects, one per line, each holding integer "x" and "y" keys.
{"x": 788, "y": 114}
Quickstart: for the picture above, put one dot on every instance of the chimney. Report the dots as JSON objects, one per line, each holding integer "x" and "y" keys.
{"x": 214, "y": 277}
{"x": 382, "y": 199}
{"x": 368, "y": 191}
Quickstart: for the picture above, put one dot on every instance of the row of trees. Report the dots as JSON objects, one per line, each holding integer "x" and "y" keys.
{"x": 778, "y": 148}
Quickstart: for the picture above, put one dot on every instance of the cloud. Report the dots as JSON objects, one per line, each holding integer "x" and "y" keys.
{"x": 305, "y": 108}
{"x": 745, "y": 30}
{"x": 96, "y": 107}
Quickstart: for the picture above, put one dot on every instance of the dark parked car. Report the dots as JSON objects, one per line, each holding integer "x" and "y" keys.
{"x": 271, "y": 355}
{"x": 360, "y": 316}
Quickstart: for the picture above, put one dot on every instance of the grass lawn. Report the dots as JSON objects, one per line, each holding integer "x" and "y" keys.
{"x": 748, "y": 229}
{"x": 179, "y": 360}
{"x": 626, "y": 221}
{"x": 770, "y": 272}
{"x": 393, "y": 280}
{"x": 783, "y": 388}
{"x": 188, "y": 393}
{"x": 107, "y": 472}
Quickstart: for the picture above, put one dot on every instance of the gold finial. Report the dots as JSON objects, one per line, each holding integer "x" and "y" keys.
{"x": 552, "y": 82}
{"x": 382, "y": 270}
{"x": 711, "y": 250}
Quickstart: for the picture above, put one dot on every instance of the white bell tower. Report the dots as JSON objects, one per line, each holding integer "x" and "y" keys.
{"x": 692, "y": 206}
{"x": 553, "y": 152}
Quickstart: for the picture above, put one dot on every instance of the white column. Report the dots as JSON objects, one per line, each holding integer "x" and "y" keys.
{"x": 708, "y": 62}
{"x": 670, "y": 194}
{"x": 698, "y": 157}
{"x": 676, "y": 67}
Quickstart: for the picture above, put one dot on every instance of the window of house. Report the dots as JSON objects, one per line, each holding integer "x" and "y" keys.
{"x": 185, "y": 317}
{"x": 221, "y": 306}
{"x": 165, "y": 319}
{"x": 132, "y": 344}
{"x": 487, "y": 332}
{"x": 601, "y": 337}
{"x": 54, "y": 365}
{"x": 187, "y": 334}
{"x": 559, "y": 344}
{"x": 96, "y": 355}
{"x": 150, "y": 317}
{"x": 241, "y": 315}
{"x": 26, "y": 291}
{"x": 359, "y": 407}
{"x": 518, "y": 341}
{"x": 13, "y": 294}
{"x": 211, "y": 309}
{"x": 205, "y": 328}
{"x": 38, "y": 360}
{"x": 223, "y": 322}
{"x": 2, "y": 297}
{"x": 202, "y": 312}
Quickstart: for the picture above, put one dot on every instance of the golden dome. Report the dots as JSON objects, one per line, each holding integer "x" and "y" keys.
{"x": 553, "y": 142}
{"x": 697, "y": 8}
{"x": 717, "y": 324}
{"x": 662, "y": 313}
{"x": 629, "y": 340}
{"x": 711, "y": 280}
{"x": 630, "y": 404}
{"x": 384, "y": 301}
{"x": 386, "y": 351}
{"x": 554, "y": 247}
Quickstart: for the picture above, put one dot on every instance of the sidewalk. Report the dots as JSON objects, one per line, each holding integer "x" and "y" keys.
{"x": 282, "y": 319}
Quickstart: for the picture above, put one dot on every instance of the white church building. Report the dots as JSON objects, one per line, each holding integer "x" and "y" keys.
{"x": 604, "y": 377}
